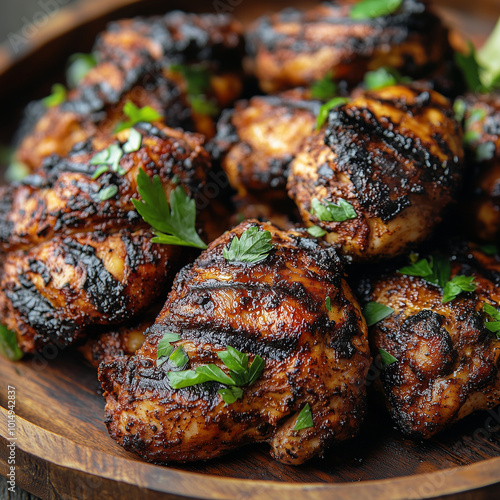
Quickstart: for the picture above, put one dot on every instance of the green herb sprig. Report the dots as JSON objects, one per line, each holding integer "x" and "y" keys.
{"x": 174, "y": 223}
{"x": 252, "y": 247}
{"x": 9, "y": 347}
{"x": 383, "y": 77}
{"x": 373, "y": 312}
{"x": 437, "y": 270}
{"x": 324, "y": 89}
{"x": 305, "y": 419}
{"x": 137, "y": 115}
{"x": 58, "y": 96}
{"x": 316, "y": 231}
{"x": 324, "y": 110}
{"x": 492, "y": 326}
{"x": 330, "y": 212}
{"x": 241, "y": 373}
{"x": 386, "y": 358}
{"x": 369, "y": 9}
{"x": 79, "y": 66}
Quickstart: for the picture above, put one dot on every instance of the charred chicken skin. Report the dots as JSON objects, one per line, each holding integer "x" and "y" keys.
{"x": 314, "y": 353}
{"x": 447, "y": 361}
{"x": 75, "y": 260}
{"x": 294, "y": 48}
{"x": 135, "y": 61}
{"x": 482, "y": 138}
{"x": 257, "y": 140}
{"x": 393, "y": 157}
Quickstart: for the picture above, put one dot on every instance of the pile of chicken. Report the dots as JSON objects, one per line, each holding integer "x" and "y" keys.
{"x": 260, "y": 337}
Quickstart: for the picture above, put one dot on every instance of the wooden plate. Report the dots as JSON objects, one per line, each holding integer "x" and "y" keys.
{"x": 62, "y": 446}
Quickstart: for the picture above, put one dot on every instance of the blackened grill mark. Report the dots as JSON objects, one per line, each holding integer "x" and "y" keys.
{"x": 38, "y": 267}
{"x": 37, "y": 312}
{"x": 104, "y": 292}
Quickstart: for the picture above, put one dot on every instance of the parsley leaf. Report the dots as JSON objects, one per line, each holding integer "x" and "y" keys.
{"x": 492, "y": 326}
{"x": 57, "y": 97}
{"x": 304, "y": 420}
{"x": 369, "y": 9}
{"x": 373, "y": 312}
{"x": 331, "y": 212}
{"x": 137, "y": 115}
{"x": 316, "y": 231}
{"x": 111, "y": 157}
{"x": 383, "y": 77}
{"x": 240, "y": 374}
{"x": 324, "y": 111}
{"x": 133, "y": 143}
{"x": 387, "y": 359}
{"x": 252, "y": 246}
{"x": 164, "y": 348}
{"x": 470, "y": 68}
{"x": 9, "y": 347}
{"x": 325, "y": 88}
{"x": 108, "y": 192}
{"x": 456, "y": 286}
{"x": 328, "y": 304}
{"x": 174, "y": 224}
{"x": 80, "y": 65}
{"x": 179, "y": 357}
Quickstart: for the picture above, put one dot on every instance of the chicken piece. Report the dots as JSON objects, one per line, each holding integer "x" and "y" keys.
{"x": 293, "y": 48}
{"x": 63, "y": 198}
{"x": 257, "y": 140}
{"x": 393, "y": 157}
{"x": 276, "y": 309}
{"x": 482, "y": 143}
{"x": 115, "y": 343}
{"x": 134, "y": 59}
{"x": 446, "y": 359}
{"x": 53, "y": 293}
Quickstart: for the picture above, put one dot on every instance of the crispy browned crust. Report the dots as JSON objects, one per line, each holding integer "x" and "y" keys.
{"x": 258, "y": 139}
{"x": 396, "y": 156}
{"x": 53, "y": 293}
{"x": 294, "y": 48}
{"x": 62, "y": 198}
{"x": 447, "y": 361}
{"x": 275, "y": 309}
{"x": 483, "y": 192}
{"x": 133, "y": 55}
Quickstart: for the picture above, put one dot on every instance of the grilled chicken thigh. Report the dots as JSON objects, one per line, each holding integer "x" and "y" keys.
{"x": 294, "y": 48}
{"x": 136, "y": 61}
{"x": 391, "y": 159}
{"x": 447, "y": 361}
{"x": 63, "y": 198}
{"x": 257, "y": 140}
{"x": 314, "y": 349}
{"x": 482, "y": 138}
{"x": 75, "y": 259}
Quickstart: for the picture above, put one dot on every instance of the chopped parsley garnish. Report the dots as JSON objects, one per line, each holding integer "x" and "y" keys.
{"x": 328, "y": 304}
{"x": 252, "y": 246}
{"x": 80, "y": 65}
{"x": 137, "y": 115}
{"x": 164, "y": 348}
{"x": 324, "y": 111}
{"x": 179, "y": 357}
{"x": 325, "y": 88}
{"x": 369, "y": 9}
{"x": 387, "y": 359}
{"x": 492, "y": 326}
{"x": 8, "y": 344}
{"x": 305, "y": 419}
{"x": 241, "y": 373}
{"x": 331, "y": 212}
{"x": 456, "y": 286}
{"x": 489, "y": 249}
{"x": 481, "y": 69}
{"x": 108, "y": 192}
{"x": 197, "y": 86}
{"x": 174, "y": 223}
{"x": 57, "y": 97}
{"x": 373, "y": 312}
{"x": 316, "y": 231}
{"x": 109, "y": 158}
{"x": 436, "y": 270}
{"x": 383, "y": 77}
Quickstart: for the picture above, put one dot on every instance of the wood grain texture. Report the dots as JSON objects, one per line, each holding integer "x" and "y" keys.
{"x": 63, "y": 450}
{"x": 61, "y": 437}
